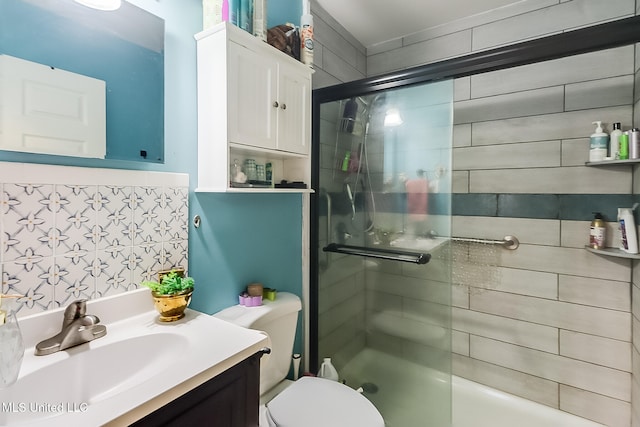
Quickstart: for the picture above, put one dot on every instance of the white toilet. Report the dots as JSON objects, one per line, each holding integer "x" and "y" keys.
{"x": 309, "y": 401}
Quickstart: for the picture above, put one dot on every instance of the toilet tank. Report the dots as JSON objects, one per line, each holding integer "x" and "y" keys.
{"x": 278, "y": 319}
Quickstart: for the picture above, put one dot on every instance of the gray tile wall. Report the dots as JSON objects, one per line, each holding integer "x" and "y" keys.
{"x": 635, "y": 289}
{"x": 527, "y": 20}
{"x": 338, "y": 57}
{"x": 556, "y": 325}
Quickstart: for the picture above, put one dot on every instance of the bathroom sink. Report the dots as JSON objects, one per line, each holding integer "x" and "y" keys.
{"x": 418, "y": 244}
{"x": 89, "y": 375}
{"x": 138, "y": 366}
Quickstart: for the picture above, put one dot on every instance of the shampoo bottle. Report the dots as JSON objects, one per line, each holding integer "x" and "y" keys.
{"x": 597, "y": 232}
{"x": 614, "y": 142}
{"x": 624, "y": 146}
{"x": 628, "y": 232}
{"x": 598, "y": 144}
{"x": 327, "y": 370}
{"x": 345, "y": 161}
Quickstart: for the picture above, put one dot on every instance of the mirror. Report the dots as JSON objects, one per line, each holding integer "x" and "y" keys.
{"x": 123, "y": 48}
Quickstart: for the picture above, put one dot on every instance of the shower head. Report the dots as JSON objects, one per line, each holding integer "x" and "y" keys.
{"x": 380, "y": 97}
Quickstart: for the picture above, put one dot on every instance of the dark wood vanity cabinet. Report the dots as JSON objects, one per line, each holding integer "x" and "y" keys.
{"x": 230, "y": 399}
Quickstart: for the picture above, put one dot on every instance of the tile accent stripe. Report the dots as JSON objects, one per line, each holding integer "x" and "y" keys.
{"x": 576, "y": 207}
{"x": 573, "y": 207}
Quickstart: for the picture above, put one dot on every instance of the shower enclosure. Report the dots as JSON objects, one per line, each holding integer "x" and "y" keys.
{"x": 382, "y": 222}
{"x": 381, "y": 253}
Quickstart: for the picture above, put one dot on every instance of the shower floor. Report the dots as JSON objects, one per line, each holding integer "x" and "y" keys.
{"x": 405, "y": 393}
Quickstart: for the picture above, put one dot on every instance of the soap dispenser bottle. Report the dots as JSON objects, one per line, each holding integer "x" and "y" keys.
{"x": 11, "y": 342}
{"x": 597, "y": 232}
{"x": 598, "y": 144}
{"x": 327, "y": 370}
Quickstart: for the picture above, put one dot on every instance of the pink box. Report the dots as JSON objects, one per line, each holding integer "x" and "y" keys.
{"x": 249, "y": 301}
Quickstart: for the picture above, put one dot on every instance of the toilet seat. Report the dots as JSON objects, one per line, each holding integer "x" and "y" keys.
{"x": 318, "y": 402}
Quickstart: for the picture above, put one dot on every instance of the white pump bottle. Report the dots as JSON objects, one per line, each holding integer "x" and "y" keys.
{"x": 598, "y": 144}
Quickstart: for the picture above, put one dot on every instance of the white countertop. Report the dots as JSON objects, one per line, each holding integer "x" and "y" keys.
{"x": 192, "y": 351}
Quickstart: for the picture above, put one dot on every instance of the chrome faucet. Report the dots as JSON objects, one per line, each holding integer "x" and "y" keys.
{"x": 77, "y": 328}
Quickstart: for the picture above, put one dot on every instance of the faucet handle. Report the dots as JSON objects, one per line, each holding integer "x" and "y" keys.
{"x": 74, "y": 311}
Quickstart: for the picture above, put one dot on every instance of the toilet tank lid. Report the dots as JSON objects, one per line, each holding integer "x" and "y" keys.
{"x": 285, "y": 303}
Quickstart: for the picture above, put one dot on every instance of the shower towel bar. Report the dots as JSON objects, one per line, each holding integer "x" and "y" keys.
{"x": 390, "y": 254}
{"x": 509, "y": 242}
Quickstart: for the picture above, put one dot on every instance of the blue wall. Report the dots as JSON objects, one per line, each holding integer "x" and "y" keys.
{"x": 243, "y": 238}
{"x": 283, "y": 11}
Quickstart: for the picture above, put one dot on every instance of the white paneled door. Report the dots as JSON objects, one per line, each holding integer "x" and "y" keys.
{"x": 50, "y": 111}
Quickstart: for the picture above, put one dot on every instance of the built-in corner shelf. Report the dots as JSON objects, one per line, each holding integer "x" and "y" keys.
{"x": 613, "y": 252}
{"x": 613, "y": 162}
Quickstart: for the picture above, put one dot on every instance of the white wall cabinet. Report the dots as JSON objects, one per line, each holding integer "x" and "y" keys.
{"x": 253, "y": 102}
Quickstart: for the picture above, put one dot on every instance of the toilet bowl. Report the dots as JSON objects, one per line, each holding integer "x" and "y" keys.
{"x": 309, "y": 401}
{"x": 318, "y": 402}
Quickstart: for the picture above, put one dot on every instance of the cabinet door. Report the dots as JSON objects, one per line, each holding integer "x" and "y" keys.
{"x": 294, "y": 115}
{"x": 252, "y": 83}
{"x": 230, "y": 399}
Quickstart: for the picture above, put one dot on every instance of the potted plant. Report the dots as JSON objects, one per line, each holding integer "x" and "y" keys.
{"x": 171, "y": 293}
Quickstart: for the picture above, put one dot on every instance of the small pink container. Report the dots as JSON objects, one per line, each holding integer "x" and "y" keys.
{"x": 249, "y": 301}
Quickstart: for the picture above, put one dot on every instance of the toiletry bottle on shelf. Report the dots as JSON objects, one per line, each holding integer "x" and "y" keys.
{"x": 245, "y": 16}
{"x": 354, "y": 161}
{"x": 349, "y": 115}
{"x": 233, "y": 11}
{"x": 268, "y": 170}
{"x": 598, "y": 144}
{"x": 614, "y": 142}
{"x": 327, "y": 370}
{"x": 634, "y": 143}
{"x": 306, "y": 38}
{"x": 628, "y": 231}
{"x": 597, "y": 232}
{"x": 213, "y": 12}
{"x": 345, "y": 161}
{"x": 260, "y": 19}
{"x": 624, "y": 146}
{"x": 225, "y": 10}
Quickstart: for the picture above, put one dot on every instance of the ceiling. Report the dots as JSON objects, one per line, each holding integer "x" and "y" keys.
{"x": 376, "y": 21}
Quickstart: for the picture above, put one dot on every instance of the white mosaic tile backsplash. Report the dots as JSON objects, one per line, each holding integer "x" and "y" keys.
{"x": 68, "y": 233}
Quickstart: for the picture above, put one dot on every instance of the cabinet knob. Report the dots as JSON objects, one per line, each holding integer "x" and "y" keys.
{"x": 283, "y": 106}
{"x": 275, "y": 104}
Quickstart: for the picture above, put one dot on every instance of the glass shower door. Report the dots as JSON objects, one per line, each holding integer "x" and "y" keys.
{"x": 384, "y": 196}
